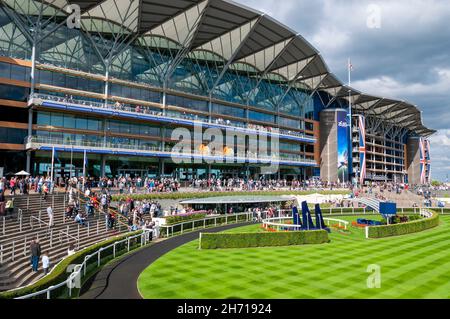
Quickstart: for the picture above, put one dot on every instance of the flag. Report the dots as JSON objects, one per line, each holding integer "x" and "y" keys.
{"x": 362, "y": 149}
{"x": 350, "y": 65}
{"x": 423, "y": 161}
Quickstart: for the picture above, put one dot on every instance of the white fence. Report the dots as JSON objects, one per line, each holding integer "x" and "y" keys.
{"x": 79, "y": 271}
{"x": 278, "y": 222}
{"x": 203, "y": 223}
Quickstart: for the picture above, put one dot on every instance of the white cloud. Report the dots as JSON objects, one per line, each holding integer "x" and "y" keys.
{"x": 389, "y": 87}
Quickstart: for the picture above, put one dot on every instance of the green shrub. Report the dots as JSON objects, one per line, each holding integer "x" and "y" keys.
{"x": 181, "y": 195}
{"x": 404, "y": 228}
{"x": 263, "y": 239}
{"x": 175, "y": 219}
{"x": 59, "y": 273}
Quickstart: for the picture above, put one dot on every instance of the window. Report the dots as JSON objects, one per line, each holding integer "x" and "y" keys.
{"x": 18, "y": 73}
{"x": 16, "y": 93}
{"x": 187, "y": 103}
{"x": 228, "y": 110}
{"x": 262, "y": 117}
{"x": 81, "y": 124}
{"x": 289, "y": 122}
{"x": 43, "y": 118}
{"x": 12, "y": 135}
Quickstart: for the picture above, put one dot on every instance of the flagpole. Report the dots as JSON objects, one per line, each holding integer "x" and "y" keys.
{"x": 84, "y": 170}
{"x": 51, "y": 173}
{"x": 351, "y": 117}
{"x": 71, "y": 161}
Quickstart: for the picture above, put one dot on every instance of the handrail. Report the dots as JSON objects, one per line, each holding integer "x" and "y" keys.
{"x": 272, "y": 222}
{"x": 78, "y": 271}
{"x": 228, "y": 217}
{"x": 51, "y": 141}
{"x": 147, "y": 110}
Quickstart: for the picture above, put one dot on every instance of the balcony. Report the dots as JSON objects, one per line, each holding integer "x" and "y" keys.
{"x": 142, "y": 112}
{"x": 79, "y": 146}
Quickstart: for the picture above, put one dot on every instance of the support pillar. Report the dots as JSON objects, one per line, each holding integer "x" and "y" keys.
{"x": 103, "y": 165}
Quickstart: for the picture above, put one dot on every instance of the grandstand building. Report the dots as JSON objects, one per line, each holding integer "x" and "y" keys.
{"x": 113, "y": 79}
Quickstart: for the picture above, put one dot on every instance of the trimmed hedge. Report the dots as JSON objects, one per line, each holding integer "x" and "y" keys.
{"x": 263, "y": 239}
{"x": 194, "y": 195}
{"x": 175, "y": 219}
{"x": 59, "y": 273}
{"x": 404, "y": 228}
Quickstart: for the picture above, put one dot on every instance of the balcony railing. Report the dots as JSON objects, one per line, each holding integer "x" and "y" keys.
{"x": 195, "y": 119}
{"x": 46, "y": 143}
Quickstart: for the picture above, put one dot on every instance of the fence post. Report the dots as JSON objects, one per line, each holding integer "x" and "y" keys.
{"x": 21, "y": 218}
{"x": 51, "y": 238}
{"x": 204, "y": 223}
{"x": 215, "y": 221}
{"x": 89, "y": 228}
{"x": 53, "y": 200}
{"x": 236, "y": 218}
{"x": 28, "y": 203}
{"x": 226, "y": 219}
{"x": 193, "y": 225}
{"x": 1, "y": 254}
{"x": 48, "y": 292}
{"x": 98, "y": 257}
{"x": 114, "y": 250}
{"x": 128, "y": 244}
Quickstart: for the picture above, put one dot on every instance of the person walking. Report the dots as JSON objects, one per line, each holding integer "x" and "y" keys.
{"x": 2, "y": 204}
{"x": 50, "y": 216}
{"x": 35, "y": 249}
{"x": 9, "y": 207}
{"x": 45, "y": 262}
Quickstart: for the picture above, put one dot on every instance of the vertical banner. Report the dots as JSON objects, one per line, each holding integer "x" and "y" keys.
{"x": 428, "y": 144}
{"x": 342, "y": 145}
{"x": 423, "y": 161}
{"x": 362, "y": 149}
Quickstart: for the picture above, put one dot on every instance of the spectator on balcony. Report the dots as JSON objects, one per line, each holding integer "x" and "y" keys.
{"x": 35, "y": 249}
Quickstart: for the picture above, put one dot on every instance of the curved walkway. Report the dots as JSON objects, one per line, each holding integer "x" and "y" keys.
{"x": 118, "y": 280}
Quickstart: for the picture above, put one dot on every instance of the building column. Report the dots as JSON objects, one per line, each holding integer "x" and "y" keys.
{"x": 161, "y": 167}
{"x": 103, "y": 165}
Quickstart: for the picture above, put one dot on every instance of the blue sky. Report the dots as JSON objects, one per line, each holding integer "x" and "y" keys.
{"x": 407, "y": 57}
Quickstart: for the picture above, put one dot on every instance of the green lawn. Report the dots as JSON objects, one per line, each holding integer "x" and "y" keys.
{"x": 412, "y": 266}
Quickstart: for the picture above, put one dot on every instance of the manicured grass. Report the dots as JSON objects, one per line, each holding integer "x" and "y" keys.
{"x": 412, "y": 266}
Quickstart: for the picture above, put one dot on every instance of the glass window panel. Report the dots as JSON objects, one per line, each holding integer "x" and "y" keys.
{"x": 5, "y": 70}
{"x": 81, "y": 124}
{"x": 43, "y": 118}
{"x": 57, "y": 120}
{"x": 17, "y": 72}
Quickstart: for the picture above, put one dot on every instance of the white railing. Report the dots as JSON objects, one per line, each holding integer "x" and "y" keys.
{"x": 79, "y": 271}
{"x": 148, "y": 110}
{"x": 33, "y": 142}
{"x": 277, "y": 222}
{"x": 229, "y": 219}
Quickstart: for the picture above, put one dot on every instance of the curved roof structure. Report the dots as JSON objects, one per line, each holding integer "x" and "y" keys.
{"x": 236, "y": 35}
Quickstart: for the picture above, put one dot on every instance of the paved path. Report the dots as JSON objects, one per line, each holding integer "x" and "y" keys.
{"x": 118, "y": 280}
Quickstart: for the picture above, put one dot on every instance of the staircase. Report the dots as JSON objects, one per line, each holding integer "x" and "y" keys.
{"x": 17, "y": 233}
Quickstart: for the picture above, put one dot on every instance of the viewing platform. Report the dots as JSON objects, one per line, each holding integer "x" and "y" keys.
{"x": 143, "y": 112}
{"x": 79, "y": 146}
